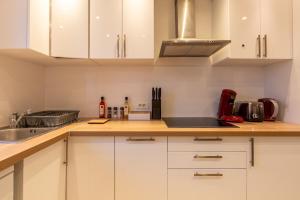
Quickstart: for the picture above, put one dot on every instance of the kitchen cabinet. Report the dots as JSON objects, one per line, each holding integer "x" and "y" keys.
{"x": 129, "y": 34}
{"x": 141, "y": 168}
{"x": 90, "y": 168}
{"x": 261, "y": 32}
{"x": 207, "y": 168}
{"x": 44, "y": 174}
{"x": 275, "y": 174}
{"x": 7, "y": 184}
{"x": 70, "y": 28}
{"x": 24, "y": 24}
{"x": 194, "y": 184}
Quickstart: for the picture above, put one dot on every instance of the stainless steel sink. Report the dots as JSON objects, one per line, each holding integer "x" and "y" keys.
{"x": 20, "y": 134}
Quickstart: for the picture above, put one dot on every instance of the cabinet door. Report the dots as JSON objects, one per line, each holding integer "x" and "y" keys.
{"x": 106, "y": 29}
{"x": 277, "y": 26}
{"x": 138, "y": 29}
{"x": 44, "y": 174}
{"x": 6, "y": 186}
{"x": 91, "y": 168}
{"x": 13, "y": 24}
{"x": 244, "y": 28}
{"x": 141, "y": 169}
{"x": 195, "y": 184}
{"x": 276, "y": 172}
{"x": 69, "y": 28}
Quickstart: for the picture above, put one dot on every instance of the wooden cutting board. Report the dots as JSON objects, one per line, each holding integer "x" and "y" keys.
{"x": 98, "y": 121}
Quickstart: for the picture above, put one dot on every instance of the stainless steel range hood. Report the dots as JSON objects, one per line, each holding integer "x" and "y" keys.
{"x": 186, "y": 44}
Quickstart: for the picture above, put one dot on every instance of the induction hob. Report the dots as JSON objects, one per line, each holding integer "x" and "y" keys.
{"x": 196, "y": 122}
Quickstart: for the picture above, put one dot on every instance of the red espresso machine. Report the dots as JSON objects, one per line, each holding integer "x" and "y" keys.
{"x": 226, "y": 107}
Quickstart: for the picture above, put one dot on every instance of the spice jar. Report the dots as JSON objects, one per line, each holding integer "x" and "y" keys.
{"x": 122, "y": 113}
{"x": 115, "y": 113}
{"x": 109, "y": 112}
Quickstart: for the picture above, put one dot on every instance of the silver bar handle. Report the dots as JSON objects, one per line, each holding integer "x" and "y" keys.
{"x": 208, "y": 139}
{"x": 118, "y": 45}
{"x": 252, "y": 161}
{"x": 208, "y": 175}
{"x": 265, "y": 46}
{"x": 259, "y": 46}
{"x": 208, "y": 157}
{"x": 125, "y": 46}
{"x": 140, "y": 139}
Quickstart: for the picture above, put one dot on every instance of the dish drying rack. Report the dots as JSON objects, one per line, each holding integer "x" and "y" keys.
{"x": 51, "y": 118}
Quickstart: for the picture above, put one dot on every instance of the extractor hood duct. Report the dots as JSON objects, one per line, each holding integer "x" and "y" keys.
{"x": 186, "y": 44}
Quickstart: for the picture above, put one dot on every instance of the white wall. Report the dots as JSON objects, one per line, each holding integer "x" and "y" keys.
{"x": 21, "y": 87}
{"x": 283, "y": 80}
{"x": 187, "y": 91}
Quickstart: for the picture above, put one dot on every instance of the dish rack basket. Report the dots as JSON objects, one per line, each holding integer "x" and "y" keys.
{"x": 51, "y": 118}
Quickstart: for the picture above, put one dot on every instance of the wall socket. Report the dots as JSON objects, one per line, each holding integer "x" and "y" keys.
{"x": 141, "y": 107}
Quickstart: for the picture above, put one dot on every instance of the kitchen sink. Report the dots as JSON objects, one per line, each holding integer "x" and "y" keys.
{"x": 11, "y": 135}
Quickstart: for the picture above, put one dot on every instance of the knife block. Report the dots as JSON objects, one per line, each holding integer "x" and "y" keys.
{"x": 156, "y": 109}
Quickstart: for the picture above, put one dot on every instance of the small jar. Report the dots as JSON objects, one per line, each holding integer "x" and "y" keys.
{"x": 109, "y": 112}
{"x": 122, "y": 113}
{"x": 115, "y": 113}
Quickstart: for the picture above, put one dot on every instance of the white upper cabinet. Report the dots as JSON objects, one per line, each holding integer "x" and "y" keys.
{"x": 24, "y": 24}
{"x": 277, "y": 29}
{"x": 244, "y": 28}
{"x": 70, "y": 28}
{"x": 122, "y": 29}
{"x": 106, "y": 29}
{"x": 261, "y": 30}
{"x": 138, "y": 29}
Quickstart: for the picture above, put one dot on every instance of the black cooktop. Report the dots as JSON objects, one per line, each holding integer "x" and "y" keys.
{"x": 196, "y": 122}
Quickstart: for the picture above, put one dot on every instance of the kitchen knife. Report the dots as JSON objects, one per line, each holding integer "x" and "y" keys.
{"x": 153, "y": 94}
{"x": 159, "y": 94}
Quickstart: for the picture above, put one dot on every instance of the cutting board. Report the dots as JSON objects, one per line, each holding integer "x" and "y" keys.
{"x": 98, "y": 121}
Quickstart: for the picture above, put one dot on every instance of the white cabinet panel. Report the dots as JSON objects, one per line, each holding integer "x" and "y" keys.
{"x": 13, "y": 24}
{"x": 69, "y": 28}
{"x": 277, "y": 25}
{"x": 44, "y": 174}
{"x": 91, "y": 168}
{"x": 141, "y": 169}
{"x": 106, "y": 29}
{"x": 205, "y": 160}
{"x": 276, "y": 172}
{"x": 183, "y": 184}
{"x": 244, "y": 28}
{"x": 6, "y": 185}
{"x": 138, "y": 28}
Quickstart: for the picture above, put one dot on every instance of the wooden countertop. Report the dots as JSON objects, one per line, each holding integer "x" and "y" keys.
{"x": 159, "y": 128}
{"x": 15, "y": 152}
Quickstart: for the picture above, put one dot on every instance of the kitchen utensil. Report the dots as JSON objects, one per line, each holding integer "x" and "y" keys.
{"x": 98, "y": 121}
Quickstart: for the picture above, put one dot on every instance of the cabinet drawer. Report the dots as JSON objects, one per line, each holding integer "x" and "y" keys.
{"x": 207, "y": 184}
{"x": 208, "y": 144}
{"x": 207, "y": 160}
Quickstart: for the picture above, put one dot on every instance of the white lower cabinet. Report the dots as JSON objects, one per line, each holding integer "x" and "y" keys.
{"x": 7, "y": 184}
{"x": 208, "y": 184}
{"x": 276, "y": 172}
{"x": 44, "y": 174}
{"x": 141, "y": 168}
{"x": 91, "y": 168}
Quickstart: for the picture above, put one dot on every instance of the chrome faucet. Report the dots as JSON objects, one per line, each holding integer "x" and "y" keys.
{"x": 15, "y": 119}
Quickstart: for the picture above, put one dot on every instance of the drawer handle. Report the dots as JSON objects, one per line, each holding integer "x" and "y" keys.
{"x": 208, "y": 139}
{"x": 208, "y": 175}
{"x": 208, "y": 157}
{"x": 140, "y": 139}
